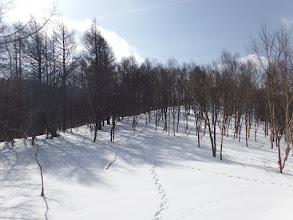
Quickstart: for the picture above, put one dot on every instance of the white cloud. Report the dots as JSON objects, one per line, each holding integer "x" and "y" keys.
{"x": 261, "y": 62}
{"x": 288, "y": 22}
{"x": 79, "y": 25}
{"x": 40, "y": 9}
{"x": 23, "y": 10}
{"x": 120, "y": 46}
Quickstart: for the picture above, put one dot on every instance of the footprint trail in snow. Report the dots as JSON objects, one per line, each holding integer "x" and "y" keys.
{"x": 163, "y": 200}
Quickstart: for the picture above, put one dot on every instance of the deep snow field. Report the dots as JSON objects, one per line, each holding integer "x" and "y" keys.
{"x": 155, "y": 176}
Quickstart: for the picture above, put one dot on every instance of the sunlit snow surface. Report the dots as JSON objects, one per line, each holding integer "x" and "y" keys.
{"x": 155, "y": 176}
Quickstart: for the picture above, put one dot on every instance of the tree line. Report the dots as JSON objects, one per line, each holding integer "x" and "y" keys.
{"x": 48, "y": 86}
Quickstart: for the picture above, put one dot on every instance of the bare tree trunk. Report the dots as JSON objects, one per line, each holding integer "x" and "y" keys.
{"x": 169, "y": 122}
{"x": 222, "y": 137}
{"x": 186, "y": 127}
{"x": 249, "y": 124}
{"x": 239, "y": 127}
{"x": 149, "y": 116}
{"x": 211, "y": 134}
{"x": 214, "y": 121}
{"x": 265, "y": 130}
{"x": 156, "y": 119}
{"x": 165, "y": 120}
{"x": 134, "y": 123}
{"x": 178, "y": 118}
{"x": 198, "y": 138}
{"x": 205, "y": 127}
{"x": 272, "y": 125}
{"x": 278, "y": 138}
{"x": 228, "y": 126}
{"x": 96, "y": 130}
{"x": 113, "y": 128}
{"x": 288, "y": 133}
{"x": 41, "y": 170}
{"x": 197, "y": 128}
{"x": 246, "y": 129}
{"x": 174, "y": 118}
{"x": 255, "y": 130}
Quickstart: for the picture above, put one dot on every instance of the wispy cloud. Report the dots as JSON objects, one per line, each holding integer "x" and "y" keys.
{"x": 146, "y": 8}
{"x": 288, "y": 22}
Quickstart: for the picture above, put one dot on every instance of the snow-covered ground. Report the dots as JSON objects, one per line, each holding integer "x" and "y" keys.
{"x": 155, "y": 176}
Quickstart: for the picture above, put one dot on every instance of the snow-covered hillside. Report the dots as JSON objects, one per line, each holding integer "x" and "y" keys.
{"x": 155, "y": 176}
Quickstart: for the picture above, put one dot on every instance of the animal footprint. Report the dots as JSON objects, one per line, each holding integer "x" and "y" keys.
{"x": 160, "y": 191}
{"x": 157, "y": 213}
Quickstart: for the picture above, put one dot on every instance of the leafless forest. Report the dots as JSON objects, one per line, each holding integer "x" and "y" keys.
{"x": 48, "y": 86}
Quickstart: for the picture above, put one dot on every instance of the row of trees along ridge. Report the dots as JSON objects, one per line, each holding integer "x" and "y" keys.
{"x": 46, "y": 86}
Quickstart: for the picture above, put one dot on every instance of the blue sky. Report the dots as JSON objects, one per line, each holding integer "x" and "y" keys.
{"x": 186, "y": 30}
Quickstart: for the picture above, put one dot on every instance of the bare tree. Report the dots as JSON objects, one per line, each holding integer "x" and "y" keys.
{"x": 66, "y": 46}
{"x": 273, "y": 48}
{"x": 100, "y": 75}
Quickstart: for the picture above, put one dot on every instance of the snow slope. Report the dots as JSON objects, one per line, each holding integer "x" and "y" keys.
{"x": 155, "y": 176}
